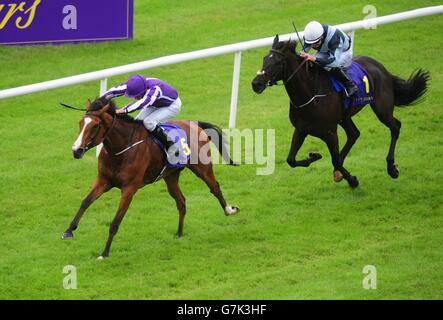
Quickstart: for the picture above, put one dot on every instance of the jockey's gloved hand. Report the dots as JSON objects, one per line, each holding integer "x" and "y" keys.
{"x": 307, "y": 56}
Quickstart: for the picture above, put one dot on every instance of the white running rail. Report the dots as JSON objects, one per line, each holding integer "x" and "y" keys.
{"x": 236, "y": 48}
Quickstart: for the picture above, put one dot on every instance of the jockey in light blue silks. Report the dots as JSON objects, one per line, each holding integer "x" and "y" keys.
{"x": 158, "y": 102}
{"x": 333, "y": 51}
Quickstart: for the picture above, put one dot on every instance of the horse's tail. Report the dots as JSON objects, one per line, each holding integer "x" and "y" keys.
{"x": 409, "y": 92}
{"x": 222, "y": 148}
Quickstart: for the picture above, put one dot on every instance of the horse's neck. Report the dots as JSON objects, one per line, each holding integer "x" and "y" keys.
{"x": 300, "y": 87}
{"x": 122, "y": 134}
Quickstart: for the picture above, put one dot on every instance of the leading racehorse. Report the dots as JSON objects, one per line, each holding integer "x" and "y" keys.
{"x": 132, "y": 159}
{"x": 316, "y": 108}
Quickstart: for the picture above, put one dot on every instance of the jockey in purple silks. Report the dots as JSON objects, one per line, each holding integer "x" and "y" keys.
{"x": 158, "y": 102}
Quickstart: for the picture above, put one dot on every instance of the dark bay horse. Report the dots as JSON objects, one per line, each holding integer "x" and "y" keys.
{"x": 141, "y": 163}
{"x": 315, "y": 107}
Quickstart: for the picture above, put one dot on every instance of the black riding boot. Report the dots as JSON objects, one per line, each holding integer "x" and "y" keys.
{"x": 342, "y": 76}
{"x": 171, "y": 148}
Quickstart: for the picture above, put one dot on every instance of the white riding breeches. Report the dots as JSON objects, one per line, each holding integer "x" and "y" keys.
{"x": 152, "y": 116}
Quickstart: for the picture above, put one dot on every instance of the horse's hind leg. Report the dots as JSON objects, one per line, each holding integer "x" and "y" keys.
{"x": 386, "y": 116}
{"x": 100, "y": 186}
{"x": 352, "y": 134}
{"x": 204, "y": 172}
{"x": 175, "y": 192}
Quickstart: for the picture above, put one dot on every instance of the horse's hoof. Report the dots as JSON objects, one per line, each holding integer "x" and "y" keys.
{"x": 67, "y": 235}
{"x": 102, "y": 257}
{"x": 338, "y": 176}
{"x": 353, "y": 182}
{"x": 314, "y": 156}
{"x": 178, "y": 235}
{"x": 393, "y": 171}
{"x": 291, "y": 162}
{"x": 231, "y": 210}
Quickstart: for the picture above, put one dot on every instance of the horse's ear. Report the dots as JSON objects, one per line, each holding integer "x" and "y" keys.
{"x": 105, "y": 109}
{"x": 276, "y": 41}
{"x": 88, "y": 104}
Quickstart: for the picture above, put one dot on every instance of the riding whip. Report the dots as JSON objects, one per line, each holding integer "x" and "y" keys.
{"x": 295, "y": 28}
{"x": 71, "y": 107}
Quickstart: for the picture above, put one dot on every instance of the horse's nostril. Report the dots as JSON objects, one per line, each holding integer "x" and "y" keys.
{"x": 78, "y": 154}
{"x": 257, "y": 86}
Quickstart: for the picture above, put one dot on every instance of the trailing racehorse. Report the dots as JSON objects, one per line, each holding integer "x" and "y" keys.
{"x": 316, "y": 108}
{"x": 132, "y": 159}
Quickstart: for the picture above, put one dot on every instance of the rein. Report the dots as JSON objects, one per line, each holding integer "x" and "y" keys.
{"x": 295, "y": 71}
{"x": 292, "y": 75}
{"x": 127, "y": 148}
{"x": 130, "y": 147}
{"x": 89, "y": 113}
{"x": 108, "y": 130}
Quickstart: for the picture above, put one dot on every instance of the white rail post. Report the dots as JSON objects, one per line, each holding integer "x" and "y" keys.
{"x": 352, "y": 35}
{"x": 103, "y": 88}
{"x": 234, "y": 94}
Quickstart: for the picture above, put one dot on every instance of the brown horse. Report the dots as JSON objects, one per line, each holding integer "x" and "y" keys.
{"x": 315, "y": 107}
{"x": 131, "y": 159}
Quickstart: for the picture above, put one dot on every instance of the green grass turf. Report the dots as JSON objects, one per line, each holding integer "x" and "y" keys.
{"x": 299, "y": 235}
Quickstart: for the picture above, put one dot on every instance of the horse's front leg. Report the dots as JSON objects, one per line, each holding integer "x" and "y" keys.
{"x": 297, "y": 141}
{"x": 99, "y": 187}
{"x": 331, "y": 139}
{"x": 126, "y": 197}
{"x": 352, "y": 134}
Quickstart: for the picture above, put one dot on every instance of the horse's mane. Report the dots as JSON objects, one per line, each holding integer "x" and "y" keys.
{"x": 291, "y": 48}
{"x": 99, "y": 103}
{"x": 288, "y": 47}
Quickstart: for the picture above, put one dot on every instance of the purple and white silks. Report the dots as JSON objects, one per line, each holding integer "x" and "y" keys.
{"x": 159, "y": 94}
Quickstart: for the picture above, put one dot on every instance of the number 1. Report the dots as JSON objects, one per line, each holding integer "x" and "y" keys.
{"x": 366, "y": 81}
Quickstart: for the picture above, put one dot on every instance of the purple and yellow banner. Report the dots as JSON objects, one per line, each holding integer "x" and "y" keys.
{"x": 59, "y": 21}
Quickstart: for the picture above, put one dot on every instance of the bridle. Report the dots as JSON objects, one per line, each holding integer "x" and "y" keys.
{"x": 294, "y": 72}
{"x": 88, "y": 146}
{"x": 90, "y": 114}
{"x": 270, "y": 82}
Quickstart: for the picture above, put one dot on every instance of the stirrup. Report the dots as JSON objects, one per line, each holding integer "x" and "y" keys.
{"x": 173, "y": 154}
{"x": 172, "y": 150}
{"x": 352, "y": 90}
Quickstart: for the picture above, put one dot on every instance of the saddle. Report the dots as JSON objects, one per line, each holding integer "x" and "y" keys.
{"x": 362, "y": 80}
{"x": 178, "y": 135}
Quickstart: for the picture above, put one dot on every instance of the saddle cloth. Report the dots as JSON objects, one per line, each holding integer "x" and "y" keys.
{"x": 363, "y": 81}
{"x": 178, "y": 135}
